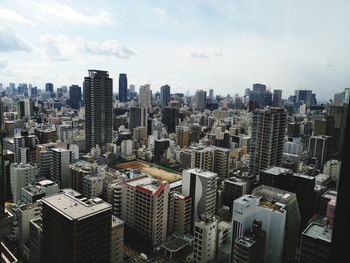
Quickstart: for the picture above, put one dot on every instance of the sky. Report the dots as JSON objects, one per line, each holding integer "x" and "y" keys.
{"x": 225, "y": 45}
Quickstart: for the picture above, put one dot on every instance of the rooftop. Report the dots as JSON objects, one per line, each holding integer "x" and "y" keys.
{"x": 318, "y": 231}
{"x": 276, "y": 170}
{"x": 200, "y": 172}
{"x": 71, "y": 206}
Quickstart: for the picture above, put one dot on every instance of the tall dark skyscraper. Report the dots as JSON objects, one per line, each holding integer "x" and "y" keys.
{"x": 165, "y": 95}
{"x": 277, "y": 97}
{"x": 98, "y": 99}
{"x": 75, "y": 230}
{"x": 123, "y": 87}
{"x": 170, "y": 117}
{"x": 49, "y": 87}
{"x": 74, "y": 96}
{"x": 266, "y": 146}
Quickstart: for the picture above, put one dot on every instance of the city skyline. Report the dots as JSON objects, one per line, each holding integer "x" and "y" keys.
{"x": 202, "y": 45}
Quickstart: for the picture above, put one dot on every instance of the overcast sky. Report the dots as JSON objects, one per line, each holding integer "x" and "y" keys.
{"x": 226, "y": 45}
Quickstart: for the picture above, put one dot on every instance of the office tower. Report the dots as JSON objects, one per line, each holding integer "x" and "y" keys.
{"x": 35, "y": 240}
{"x": 75, "y": 97}
{"x": 145, "y": 209}
{"x": 123, "y": 87}
{"x": 332, "y": 168}
{"x": 201, "y": 186}
{"x": 138, "y": 116}
{"x": 316, "y": 244}
{"x": 3, "y": 184}
{"x": 60, "y": 160}
{"x": 49, "y": 87}
{"x": 257, "y": 94}
{"x": 304, "y": 96}
{"x": 222, "y": 162}
{"x": 302, "y": 185}
{"x": 266, "y": 146}
{"x": 320, "y": 148}
{"x": 31, "y": 193}
{"x": 160, "y": 146}
{"x": 145, "y": 96}
{"x": 182, "y": 213}
{"x": 21, "y": 175}
{"x": 170, "y": 118}
{"x": 25, "y": 108}
{"x": 248, "y": 208}
{"x": 78, "y": 171}
{"x": 293, "y": 148}
{"x": 164, "y": 95}
{"x": 211, "y": 95}
{"x": 250, "y": 248}
{"x": 182, "y": 135}
{"x": 200, "y": 99}
{"x": 277, "y": 98}
{"x": 234, "y": 188}
{"x": 76, "y": 229}
{"x": 293, "y": 129}
{"x": 339, "y": 114}
{"x": 324, "y": 126}
{"x": 117, "y": 240}
{"x": 98, "y": 100}
{"x": 204, "y": 244}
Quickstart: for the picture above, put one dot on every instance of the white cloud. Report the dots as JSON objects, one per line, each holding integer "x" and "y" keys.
{"x": 10, "y": 41}
{"x": 66, "y": 48}
{"x": 3, "y": 63}
{"x": 8, "y": 15}
{"x": 165, "y": 15}
{"x": 66, "y": 13}
{"x": 203, "y": 52}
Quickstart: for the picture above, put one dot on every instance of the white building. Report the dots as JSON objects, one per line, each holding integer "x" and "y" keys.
{"x": 74, "y": 148}
{"x": 126, "y": 148}
{"x": 21, "y": 175}
{"x": 205, "y": 238}
{"x": 295, "y": 147}
{"x": 332, "y": 168}
{"x": 201, "y": 186}
{"x": 93, "y": 185}
{"x": 145, "y": 96}
{"x": 248, "y": 208}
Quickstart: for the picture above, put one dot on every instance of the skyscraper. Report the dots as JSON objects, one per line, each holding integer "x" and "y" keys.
{"x": 74, "y": 96}
{"x": 320, "y": 148}
{"x": 49, "y": 87}
{"x": 76, "y": 229}
{"x": 123, "y": 87}
{"x": 170, "y": 117}
{"x": 98, "y": 99}
{"x": 145, "y": 96}
{"x": 339, "y": 114}
{"x": 266, "y": 146}
{"x": 277, "y": 97}
{"x": 200, "y": 99}
{"x": 164, "y": 95}
{"x": 61, "y": 158}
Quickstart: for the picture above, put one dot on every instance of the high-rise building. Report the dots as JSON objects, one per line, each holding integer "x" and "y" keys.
{"x": 138, "y": 116}
{"x": 234, "y": 188}
{"x": 205, "y": 238}
{"x": 200, "y": 99}
{"x": 145, "y": 96}
{"x": 117, "y": 241}
{"x": 222, "y": 162}
{"x": 74, "y": 97}
{"x": 332, "y": 168}
{"x": 160, "y": 147}
{"x": 164, "y": 95}
{"x": 60, "y": 160}
{"x": 123, "y": 87}
{"x": 250, "y": 248}
{"x": 324, "y": 126}
{"x": 320, "y": 148}
{"x": 339, "y": 114}
{"x": 304, "y": 96}
{"x": 277, "y": 98}
{"x": 49, "y": 87}
{"x": 98, "y": 100}
{"x": 316, "y": 244}
{"x": 76, "y": 229}
{"x": 182, "y": 135}
{"x": 21, "y": 176}
{"x": 201, "y": 186}
{"x": 248, "y": 208}
{"x": 266, "y": 145}
{"x": 211, "y": 95}
{"x": 145, "y": 209}
{"x": 170, "y": 118}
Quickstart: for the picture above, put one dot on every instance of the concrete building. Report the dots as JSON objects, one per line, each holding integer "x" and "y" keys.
{"x": 316, "y": 244}
{"x": 234, "y": 188}
{"x": 145, "y": 96}
{"x": 117, "y": 240}
{"x": 222, "y": 165}
{"x": 182, "y": 213}
{"x": 205, "y": 238}
{"x": 76, "y": 228}
{"x": 320, "y": 148}
{"x": 200, "y": 99}
{"x": 126, "y": 147}
{"x": 35, "y": 240}
{"x": 164, "y": 95}
{"x": 201, "y": 186}
{"x": 98, "y": 100}
{"x": 21, "y": 175}
{"x": 32, "y": 193}
{"x": 60, "y": 160}
{"x": 266, "y": 146}
{"x": 277, "y": 98}
{"x": 145, "y": 209}
{"x": 332, "y": 168}
{"x": 182, "y": 135}
{"x": 248, "y": 208}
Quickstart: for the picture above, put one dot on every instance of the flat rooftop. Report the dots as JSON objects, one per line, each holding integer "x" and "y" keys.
{"x": 200, "y": 172}
{"x": 74, "y": 208}
{"x": 276, "y": 170}
{"x": 318, "y": 231}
